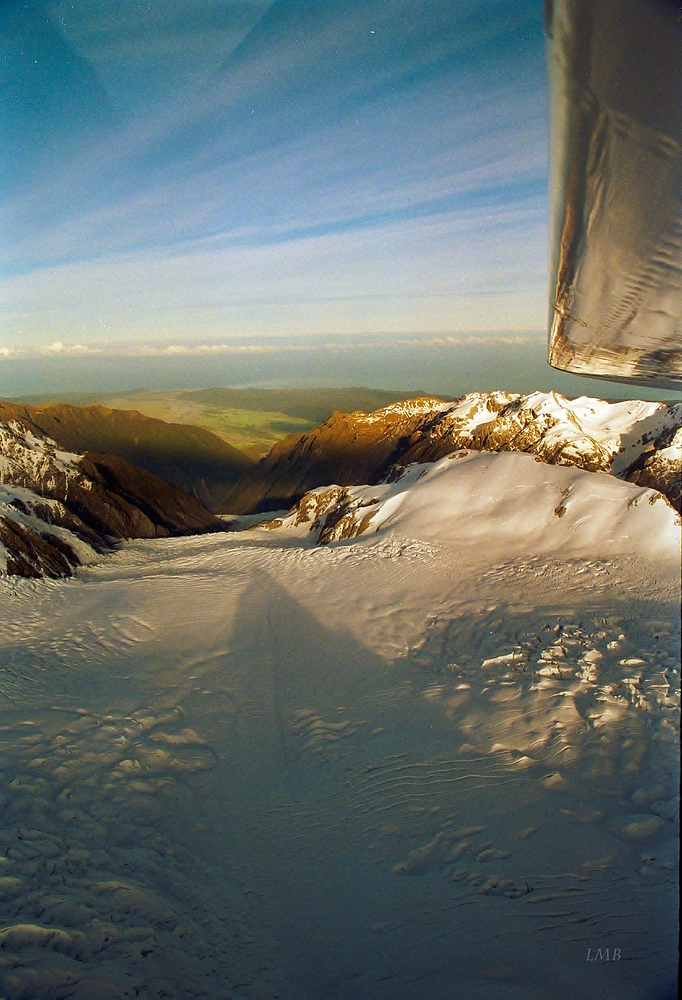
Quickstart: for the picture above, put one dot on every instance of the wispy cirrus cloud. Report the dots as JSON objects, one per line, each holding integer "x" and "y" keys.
{"x": 452, "y": 271}
{"x": 388, "y": 152}
{"x": 328, "y": 181}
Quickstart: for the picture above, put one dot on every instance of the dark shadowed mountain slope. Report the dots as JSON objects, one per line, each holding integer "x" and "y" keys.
{"x": 634, "y": 440}
{"x": 59, "y": 509}
{"x": 191, "y": 458}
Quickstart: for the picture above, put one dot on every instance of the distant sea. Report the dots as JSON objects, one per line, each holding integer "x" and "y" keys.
{"x": 440, "y": 365}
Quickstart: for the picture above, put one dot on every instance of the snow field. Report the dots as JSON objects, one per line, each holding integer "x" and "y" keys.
{"x": 430, "y": 760}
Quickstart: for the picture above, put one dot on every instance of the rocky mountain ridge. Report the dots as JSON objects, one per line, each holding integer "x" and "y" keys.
{"x": 60, "y": 509}
{"x": 638, "y": 441}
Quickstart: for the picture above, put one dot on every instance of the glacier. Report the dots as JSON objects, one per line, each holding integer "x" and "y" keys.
{"x": 410, "y": 739}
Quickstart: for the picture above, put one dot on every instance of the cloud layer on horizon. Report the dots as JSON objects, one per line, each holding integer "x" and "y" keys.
{"x": 141, "y": 349}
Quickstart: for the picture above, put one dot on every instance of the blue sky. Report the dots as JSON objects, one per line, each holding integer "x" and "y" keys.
{"x": 198, "y": 172}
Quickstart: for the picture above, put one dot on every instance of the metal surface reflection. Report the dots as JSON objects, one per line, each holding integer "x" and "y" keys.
{"x": 616, "y": 189}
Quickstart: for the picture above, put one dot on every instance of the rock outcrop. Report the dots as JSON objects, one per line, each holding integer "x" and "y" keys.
{"x": 634, "y": 440}
{"x": 60, "y": 509}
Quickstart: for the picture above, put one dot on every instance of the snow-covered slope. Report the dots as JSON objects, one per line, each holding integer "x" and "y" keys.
{"x": 504, "y": 503}
{"x": 34, "y": 539}
{"x": 634, "y": 440}
{"x": 27, "y": 458}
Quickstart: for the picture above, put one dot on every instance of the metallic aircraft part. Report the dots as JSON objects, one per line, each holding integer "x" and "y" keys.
{"x": 616, "y": 189}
